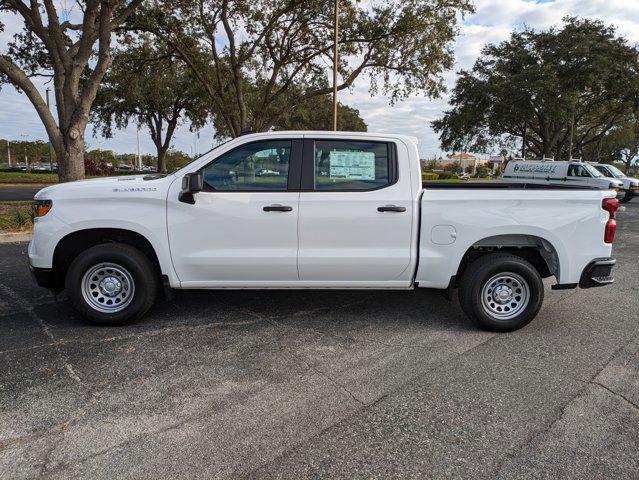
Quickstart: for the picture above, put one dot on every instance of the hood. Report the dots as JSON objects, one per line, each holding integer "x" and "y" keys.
{"x": 102, "y": 185}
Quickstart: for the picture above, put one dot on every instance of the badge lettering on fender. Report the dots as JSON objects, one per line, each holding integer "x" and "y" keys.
{"x": 135, "y": 189}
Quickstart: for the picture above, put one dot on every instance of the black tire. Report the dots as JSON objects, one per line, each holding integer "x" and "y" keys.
{"x": 484, "y": 312}
{"x": 141, "y": 274}
{"x": 627, "y": 197}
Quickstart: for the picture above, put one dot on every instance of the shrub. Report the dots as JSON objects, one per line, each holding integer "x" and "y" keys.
{"x": 18, "y": 218}
{"x": 427, "y": 176}
{"x": 446, "y": 175}
{"x": 93, "y": 170}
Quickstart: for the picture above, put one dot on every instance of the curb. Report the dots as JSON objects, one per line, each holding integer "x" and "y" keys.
{"x": 16, "y": 237}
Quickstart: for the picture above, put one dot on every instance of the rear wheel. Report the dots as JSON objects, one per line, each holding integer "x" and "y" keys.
{"x": 627, "y": 197}
{"x": 111, "y": 284}
{"x": 501, "y": 292}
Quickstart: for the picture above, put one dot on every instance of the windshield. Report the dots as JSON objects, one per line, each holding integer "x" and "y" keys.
{"x": 200, "y": 156}
{"x": 615, "y": 171}
{"x": 592, "y": 170}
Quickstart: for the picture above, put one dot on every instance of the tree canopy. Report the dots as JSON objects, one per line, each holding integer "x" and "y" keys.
{"x": 558, "y": 91}
{"x": 149, "y": 86}
{"x": 258, "y": 60}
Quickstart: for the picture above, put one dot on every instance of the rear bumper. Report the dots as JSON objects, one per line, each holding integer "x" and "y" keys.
{"x": 598, "y": 273}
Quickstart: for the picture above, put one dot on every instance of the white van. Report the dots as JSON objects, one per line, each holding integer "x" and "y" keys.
{"x": 630, "y": 184}
{"x": 563, "y": 173}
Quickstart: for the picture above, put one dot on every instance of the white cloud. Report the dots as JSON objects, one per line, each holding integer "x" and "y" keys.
{"x": 492, "y": 22}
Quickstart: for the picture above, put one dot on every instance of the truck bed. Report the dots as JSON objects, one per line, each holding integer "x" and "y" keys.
{"x": 498, "y": 185}
{"x": 568, "y": 222}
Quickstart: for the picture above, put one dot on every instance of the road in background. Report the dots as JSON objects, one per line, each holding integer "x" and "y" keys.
{"x": 15, "y": 193}
{"x": 321, "y": 384}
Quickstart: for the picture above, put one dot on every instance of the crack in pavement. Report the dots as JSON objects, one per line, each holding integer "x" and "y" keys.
{"x": 57, "y": 344}
{"x": 298, "y": 357}
{"x": 325, "y": 375}
{"x": 142, "y": 334}
{"x": 616, "y": 394}
{"x": 536, "y": 434}
{"x": 365, "y": 407}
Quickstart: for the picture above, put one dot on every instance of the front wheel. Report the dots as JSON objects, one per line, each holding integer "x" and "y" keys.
{"x": 111, "y": 284}
{"x": 501, "y": 292}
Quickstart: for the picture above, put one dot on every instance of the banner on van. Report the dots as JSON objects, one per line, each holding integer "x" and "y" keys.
{"x": 534, "y": 168}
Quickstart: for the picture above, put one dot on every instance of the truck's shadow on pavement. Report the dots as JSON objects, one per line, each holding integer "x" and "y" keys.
{"x": 426, "y": 309}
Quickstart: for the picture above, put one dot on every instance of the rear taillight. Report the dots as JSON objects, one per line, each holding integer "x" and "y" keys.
{"x": 609, "y": 233}
{"x": 610, "y": 205}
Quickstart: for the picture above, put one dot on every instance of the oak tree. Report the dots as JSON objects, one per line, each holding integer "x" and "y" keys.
{"x": 558, "y": 91}
{"x": 149, "y": 86}
{"x": 74, "y": 54}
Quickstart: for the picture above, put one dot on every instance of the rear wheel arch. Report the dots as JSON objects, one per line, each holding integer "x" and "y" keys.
{"x": 538, "y": 251}
{"x": 73, "y": 244}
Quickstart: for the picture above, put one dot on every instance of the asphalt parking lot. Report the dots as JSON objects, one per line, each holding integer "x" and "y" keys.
{"x": 321, "y": 384}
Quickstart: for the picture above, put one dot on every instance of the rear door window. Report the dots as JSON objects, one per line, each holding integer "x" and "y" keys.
{"x": 347, "y": 165}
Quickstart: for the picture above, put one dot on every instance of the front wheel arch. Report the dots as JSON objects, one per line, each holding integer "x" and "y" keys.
{"x": 73, "y": 244}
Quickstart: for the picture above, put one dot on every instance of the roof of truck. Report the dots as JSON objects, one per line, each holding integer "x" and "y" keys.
{"x": 340, "y": 133}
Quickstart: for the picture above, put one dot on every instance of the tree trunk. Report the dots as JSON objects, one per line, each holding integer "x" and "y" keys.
{"x": 162, "y": 160}
{"x": 72, "y": 166}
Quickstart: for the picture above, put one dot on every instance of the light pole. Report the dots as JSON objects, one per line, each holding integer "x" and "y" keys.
{"x": 335, "y": 61}
{"x": 139, "y": 159}
{"x": 9, "y": 152}
{"x": 50, "y": 154}
{"x": 26, "y": 160}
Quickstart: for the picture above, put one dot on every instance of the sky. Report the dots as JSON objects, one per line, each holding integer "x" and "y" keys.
{"x": 492, "y": 22}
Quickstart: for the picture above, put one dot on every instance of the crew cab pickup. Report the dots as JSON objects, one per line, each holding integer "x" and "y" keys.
{"x": 318, "y": 210}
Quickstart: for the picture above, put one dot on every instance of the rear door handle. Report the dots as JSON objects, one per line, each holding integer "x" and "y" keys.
{"x": 391, "y": 208}
{"x": 278, "y": 208}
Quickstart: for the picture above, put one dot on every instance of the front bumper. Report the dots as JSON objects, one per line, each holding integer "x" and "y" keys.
{"x": 598, "y": 273}
{"x": 44, "y": 277}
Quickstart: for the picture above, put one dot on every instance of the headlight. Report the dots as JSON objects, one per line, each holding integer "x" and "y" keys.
{"x": 41, "y": 207}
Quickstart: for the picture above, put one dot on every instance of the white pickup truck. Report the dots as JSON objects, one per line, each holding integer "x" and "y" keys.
{"x": 303, "y": 210}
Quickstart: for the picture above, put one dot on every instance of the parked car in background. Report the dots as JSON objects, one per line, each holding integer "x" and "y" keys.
{"x": 559, "y": 173}
{"x": 630, "y": 184}
{"x": 348, "y": 211}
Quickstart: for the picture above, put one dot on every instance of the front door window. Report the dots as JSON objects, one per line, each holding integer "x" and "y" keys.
{"x": 258, "y": 166}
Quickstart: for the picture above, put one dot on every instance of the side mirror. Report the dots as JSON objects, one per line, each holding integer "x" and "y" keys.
{"x": 191, "y": 183}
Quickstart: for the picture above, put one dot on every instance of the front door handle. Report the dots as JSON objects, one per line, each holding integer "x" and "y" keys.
{"x": 391, "y": 208}
{"x": 278, "y": 208}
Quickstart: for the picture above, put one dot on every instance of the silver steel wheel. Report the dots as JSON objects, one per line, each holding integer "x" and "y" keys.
{"x": 505, "y": 295}
{"x": 108, "y": 287}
